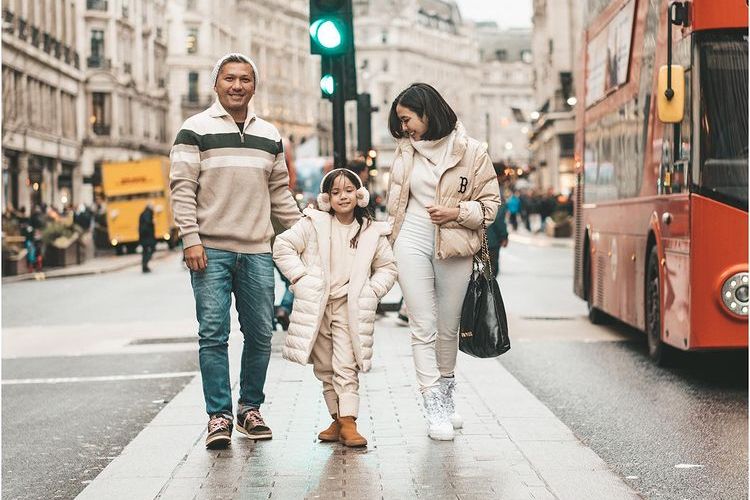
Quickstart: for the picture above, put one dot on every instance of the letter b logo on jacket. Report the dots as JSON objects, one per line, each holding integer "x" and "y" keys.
{"x": 462, "y": 186}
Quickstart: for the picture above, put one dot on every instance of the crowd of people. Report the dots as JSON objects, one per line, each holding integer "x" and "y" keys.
{"x": 533, "y": 209}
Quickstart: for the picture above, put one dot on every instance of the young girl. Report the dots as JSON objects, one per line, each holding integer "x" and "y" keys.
{"x": 340, "y": 264}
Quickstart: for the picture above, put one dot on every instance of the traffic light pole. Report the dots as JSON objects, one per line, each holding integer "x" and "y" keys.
{"x": 339, "y": 124}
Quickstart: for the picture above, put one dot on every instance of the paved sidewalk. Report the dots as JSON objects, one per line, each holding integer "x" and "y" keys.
{"x": 97, "y": 265}
{"x": 512, "y": 446}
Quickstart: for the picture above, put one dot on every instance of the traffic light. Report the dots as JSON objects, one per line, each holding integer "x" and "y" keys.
{"x": 364, "y": 123}
{"x": 330, "y": 27}
{"x": 328, "y": 78}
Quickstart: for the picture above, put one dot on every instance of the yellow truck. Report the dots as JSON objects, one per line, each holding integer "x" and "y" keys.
{"x": 128, "y": 187}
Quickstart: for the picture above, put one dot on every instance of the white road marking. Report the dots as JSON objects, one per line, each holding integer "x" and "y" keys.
{"x": 107, "y": 378}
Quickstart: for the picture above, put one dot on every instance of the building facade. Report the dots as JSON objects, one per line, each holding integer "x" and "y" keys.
{"x": 126, "y": 100}
{"x": 42, "y": 98}
{"x": 505, "y": 96}
{"x": 556, "y": 55}
{"x": 399, "y": 42}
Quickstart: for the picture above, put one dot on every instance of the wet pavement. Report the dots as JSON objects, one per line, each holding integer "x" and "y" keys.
{"x": 511, "y": 445}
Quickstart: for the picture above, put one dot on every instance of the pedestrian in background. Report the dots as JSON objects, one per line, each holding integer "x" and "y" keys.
{"x": 228, "y": 176}
{"x": 146, "y": 236}
{"x": 341, "y": 264}
{"x": 497, "y": 238}
{"x": 514, "y": 208}
{"x": 442, "y": 187}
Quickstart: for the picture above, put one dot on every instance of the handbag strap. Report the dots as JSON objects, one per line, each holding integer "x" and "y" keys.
{"x": 485, "y": 249}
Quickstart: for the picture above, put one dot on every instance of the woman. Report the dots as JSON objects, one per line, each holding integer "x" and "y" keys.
{"x": 442, "y": 187}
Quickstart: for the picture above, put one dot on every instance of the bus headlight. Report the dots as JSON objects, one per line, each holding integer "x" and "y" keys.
{"x": 735, "y": 293}
{"x": 166, "y": 236}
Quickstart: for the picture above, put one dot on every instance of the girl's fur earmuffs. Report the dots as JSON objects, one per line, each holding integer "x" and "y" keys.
{"x": 324, "y": 200}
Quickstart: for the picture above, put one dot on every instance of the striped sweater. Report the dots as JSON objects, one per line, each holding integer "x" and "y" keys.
{"x": 226, "y": 184}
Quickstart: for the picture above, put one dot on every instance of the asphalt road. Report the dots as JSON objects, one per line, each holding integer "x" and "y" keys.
{"x": 676, "y": 433}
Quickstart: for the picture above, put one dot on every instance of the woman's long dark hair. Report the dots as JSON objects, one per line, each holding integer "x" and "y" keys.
{"x": 424, "y": 100}
{"x": 361, "y": 214}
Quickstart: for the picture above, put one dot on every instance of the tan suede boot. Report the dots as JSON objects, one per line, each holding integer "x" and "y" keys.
{"x": 349, "y": 435}
{"x": 331, "y": 434}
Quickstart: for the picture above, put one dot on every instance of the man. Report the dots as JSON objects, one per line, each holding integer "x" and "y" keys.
{"x": 146, "y": 236}
{"x": 228, "y": 177}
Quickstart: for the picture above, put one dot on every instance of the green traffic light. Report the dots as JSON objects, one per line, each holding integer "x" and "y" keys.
{"x": 327, "y": 84}
{"x": 328, "y": 33}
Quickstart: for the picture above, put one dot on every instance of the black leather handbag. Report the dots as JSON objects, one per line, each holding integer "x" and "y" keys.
{"x": 483, "y": 332}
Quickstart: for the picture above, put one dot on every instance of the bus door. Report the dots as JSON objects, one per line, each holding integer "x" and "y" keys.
{"x": 673, "y": 213}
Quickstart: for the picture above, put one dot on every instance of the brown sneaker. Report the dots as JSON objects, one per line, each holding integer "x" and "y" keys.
{"x": 219, "y": 432}
{"x": 331, "y": 434}
{"x": 251, "y": 424}
{"x": 349, "y": 435}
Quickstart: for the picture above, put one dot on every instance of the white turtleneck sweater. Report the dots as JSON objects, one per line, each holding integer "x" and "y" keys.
{"x": 429, "y": 159}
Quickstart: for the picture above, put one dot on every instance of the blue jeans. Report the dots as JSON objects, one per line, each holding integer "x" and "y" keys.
{"x": 250, "y": 278}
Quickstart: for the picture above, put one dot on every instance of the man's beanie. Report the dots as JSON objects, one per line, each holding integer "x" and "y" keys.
{"x": 220, "y": 62}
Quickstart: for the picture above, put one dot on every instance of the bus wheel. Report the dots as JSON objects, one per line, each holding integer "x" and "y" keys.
{"x": 658, "y": 351}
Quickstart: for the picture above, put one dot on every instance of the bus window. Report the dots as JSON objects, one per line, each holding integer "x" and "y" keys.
{"x": 722, "y": 170}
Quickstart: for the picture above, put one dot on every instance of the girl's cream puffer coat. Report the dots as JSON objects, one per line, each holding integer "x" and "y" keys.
{"x": 303, "y": 254}
{"x": 467, "y": 179}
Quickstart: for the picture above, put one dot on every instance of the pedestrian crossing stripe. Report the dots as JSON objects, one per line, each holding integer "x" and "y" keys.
{"x": 107, "y": 378}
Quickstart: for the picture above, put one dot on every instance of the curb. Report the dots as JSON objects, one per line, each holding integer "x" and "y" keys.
{"x": 69, "y": 273}
{"x": 542, "y": 241}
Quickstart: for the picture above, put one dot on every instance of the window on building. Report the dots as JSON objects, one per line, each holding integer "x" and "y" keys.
{"x": 501, "y": 55}
{"x": 526, "y": 56}
{"x": 100, "y": 113}
{"x": 191, "y": 4}
{"x": 193, "y": 86}
{"x": 192, "y": 41}
{"x": 97, "y": 43}
{"x": 125, "y": 8}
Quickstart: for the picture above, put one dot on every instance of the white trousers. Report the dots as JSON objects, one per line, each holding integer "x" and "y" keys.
{"x": 334, "y": 363}
{"x": 434, "y": 291}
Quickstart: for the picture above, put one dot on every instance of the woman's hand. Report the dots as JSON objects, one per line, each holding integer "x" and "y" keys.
{"x": 440, "y": 215}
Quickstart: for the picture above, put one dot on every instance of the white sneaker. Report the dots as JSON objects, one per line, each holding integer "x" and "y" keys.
{"x": 448, "y": 387}
{"x": 438, "y": 420}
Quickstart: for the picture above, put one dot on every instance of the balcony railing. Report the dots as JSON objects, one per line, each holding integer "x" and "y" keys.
{"x": 57, "y": 49}
{"x": 196, "y": 101}
{"x": 98, "y": 62}
{"x": 77, "y": 60}
{"x": 162, "y": 83}
{"x": 101, "y": 128}
{"x": 47, "y": 42}
{"x": 97, "y": 5}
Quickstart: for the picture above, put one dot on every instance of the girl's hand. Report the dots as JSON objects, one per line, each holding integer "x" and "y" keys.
{"x": 440, "y": 215}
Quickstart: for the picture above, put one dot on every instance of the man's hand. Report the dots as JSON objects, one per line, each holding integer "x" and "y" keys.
{"x": 195, "y": 258}
{"x": 504, "y": 243}
{"x": 440, "y": 215}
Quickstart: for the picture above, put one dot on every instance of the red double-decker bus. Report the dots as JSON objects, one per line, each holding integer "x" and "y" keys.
{"x": 662, "y": 166}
